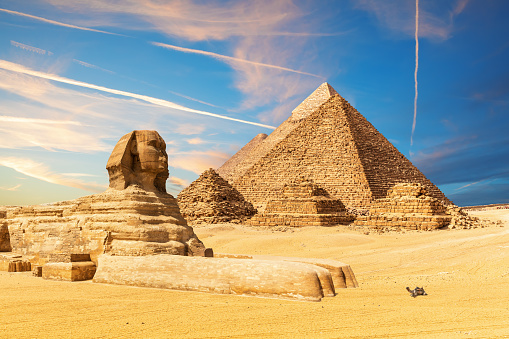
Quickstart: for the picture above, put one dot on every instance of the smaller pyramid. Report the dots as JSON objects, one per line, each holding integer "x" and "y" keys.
{"x": 302, "y": 203}
{"x": 407, "y": 205}
{"x": 210, "y": 199}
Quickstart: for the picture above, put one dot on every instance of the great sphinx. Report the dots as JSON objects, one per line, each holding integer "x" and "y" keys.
{"x": 134, "y": 234}
{"x": 134, "y": 216}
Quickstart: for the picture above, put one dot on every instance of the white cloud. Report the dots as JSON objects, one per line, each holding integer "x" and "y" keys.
{"x": 195, "y": 141}
{"x": 42, "y": 172}
{"x": 259, "y": 34}
{"x": 12, "y": 189}
{"x": 190, "y": 129}
{"x": 198, "y": 162}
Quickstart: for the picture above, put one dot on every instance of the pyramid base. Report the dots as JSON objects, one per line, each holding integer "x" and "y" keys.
{"x": 414, "y": 222}
{"x": 300, "y": 220}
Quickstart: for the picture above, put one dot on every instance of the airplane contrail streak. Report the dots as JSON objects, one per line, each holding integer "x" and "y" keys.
{"x": 416, "y": 67}
{"x": 159, "y": 102}
{"x": 229, "y": 58}
{"x": 53, "y": 22}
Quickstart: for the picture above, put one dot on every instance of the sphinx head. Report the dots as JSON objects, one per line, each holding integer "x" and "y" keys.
{"x": 139, "y": 158}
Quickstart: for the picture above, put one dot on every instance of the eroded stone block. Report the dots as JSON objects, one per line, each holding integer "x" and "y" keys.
{"x": 262, "y": 278}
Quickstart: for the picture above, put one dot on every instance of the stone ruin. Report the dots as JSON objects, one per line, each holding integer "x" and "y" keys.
{"x": 210, "y": 199}
{"x": 134, "y": 217}
{"x": 302, "y": 203}
{"x": 134, "y": 234}
{"x": 407, "y": 205}
{"x": 329, "y": 142}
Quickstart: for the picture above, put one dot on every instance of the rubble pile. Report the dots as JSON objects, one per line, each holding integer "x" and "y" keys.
{"x": 210, "y": 199}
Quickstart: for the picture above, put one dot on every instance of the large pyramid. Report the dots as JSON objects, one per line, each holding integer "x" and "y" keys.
{"x": 327, "y": 141}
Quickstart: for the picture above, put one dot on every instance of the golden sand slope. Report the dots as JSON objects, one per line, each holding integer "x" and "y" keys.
{"x": 465, "y": 273}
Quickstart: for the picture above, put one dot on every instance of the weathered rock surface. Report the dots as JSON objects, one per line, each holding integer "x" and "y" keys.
{"x": 342, "y": 274}
{"x": 461, "y": 219}
{"x": 302, "y": 203}
{"x": 211, "y": 199}
{"x": 262, "y": 278}
{"x": 134, "y": 217}
{"x": 332, "y": 144}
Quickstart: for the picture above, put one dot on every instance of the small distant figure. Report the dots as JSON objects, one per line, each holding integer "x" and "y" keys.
{"x": 416, "y": 291}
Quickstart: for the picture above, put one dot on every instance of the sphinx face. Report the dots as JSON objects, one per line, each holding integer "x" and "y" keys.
{"x": 151, "y": 150}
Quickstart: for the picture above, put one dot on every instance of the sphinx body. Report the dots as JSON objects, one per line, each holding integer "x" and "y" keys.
{"x": 133, "y": 217}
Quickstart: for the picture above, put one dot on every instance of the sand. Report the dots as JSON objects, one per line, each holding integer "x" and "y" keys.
{"x": 464, "y": 272}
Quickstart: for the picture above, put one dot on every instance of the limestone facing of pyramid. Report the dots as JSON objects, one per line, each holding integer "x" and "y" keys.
{"x": 302, "y": 203}
{"x": 210, "y": 199}
{"x": 407, "y": 205}
{"x": 260, "y": 145}
{"x": 134, "y": 217}
{"x": 332, "y": 145}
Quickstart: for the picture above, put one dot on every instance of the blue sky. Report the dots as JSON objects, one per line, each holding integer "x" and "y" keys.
{"x": 209, "y": 75}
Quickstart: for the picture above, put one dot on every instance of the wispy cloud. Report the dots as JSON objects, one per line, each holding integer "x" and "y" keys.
{"x": 259, "y": 36}
{"x": 230, "y": 59}
{"x": 190, "y": 129}
{"x": 159, "y": 102}
{"x": 198, "y": 162}
{"x": 52, "y": 22}
{"x": 12, "y": 189}
{"x": 181, "y": 183}
{"x": 86, "y": 64}
{"x": 42, "y": 172}
{"x": 398, "y": 16}
{"x": 195, "y": 141}
{"x": 193, "y": 99}
{"x": 30, "y": 48}
{"x": 7, "y": 119}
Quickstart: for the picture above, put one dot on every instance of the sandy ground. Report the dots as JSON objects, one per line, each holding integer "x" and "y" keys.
{"x": 464, "y": 272}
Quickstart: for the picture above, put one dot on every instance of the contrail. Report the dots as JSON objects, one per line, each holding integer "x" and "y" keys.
{"x": 159, "y": 102}
{"x": 416, "y": 67}
{"x": 229, "y": 58}
{"x": 55, "y": 22}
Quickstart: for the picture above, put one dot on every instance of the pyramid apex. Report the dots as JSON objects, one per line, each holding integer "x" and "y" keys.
{"x": 313, "y": 101}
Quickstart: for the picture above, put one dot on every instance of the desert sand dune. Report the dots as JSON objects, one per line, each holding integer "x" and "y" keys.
{"x": 464, "y": 272}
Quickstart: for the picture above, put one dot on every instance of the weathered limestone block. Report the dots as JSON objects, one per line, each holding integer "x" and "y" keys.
{"x": 342, "y": 274}
{"x": 262, "y": 278}
{"x": 11, "y": 262}
{"x": 69, "y": 267}
{"x": 5, "y": 241}
{"x": 69, "y": 271}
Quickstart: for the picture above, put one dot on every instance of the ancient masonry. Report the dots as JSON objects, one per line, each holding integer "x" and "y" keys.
{"x": 210, "y": 199}
{"x": 327, "y": 141}
{"x": 408, "y": 206}
{"x": 134, "y": 234}
{"x": 302, "y": 203}
{"x": 134, "y": 217}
